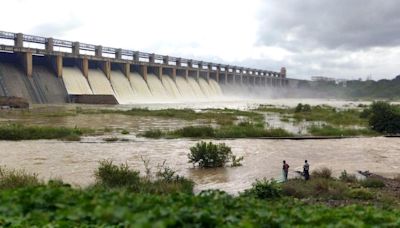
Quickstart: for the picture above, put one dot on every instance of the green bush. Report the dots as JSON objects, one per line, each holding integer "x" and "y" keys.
{"x": 111, "y": 175}
{"x": 360, "y": 193}
{"x": 125, "y": 132}
{"x": 152, "y": 134}
{"x": 372, "y": 182}
{"x": 20, "y": 132}
{"x": 349, "y": 178}
{"x": 110, "y": 139}
{"x": 11, "y": 178}
{"x": 315, "y": 188}
{"x": 328, "y": 130}
{"x": 323, "y": 172}
{"x": 264, "y": 189}
{"x": 207, "y": 155}
{"x": 385, "y": 118}
{"x": 195, "y": 132}
{"x": 302, "y": 108}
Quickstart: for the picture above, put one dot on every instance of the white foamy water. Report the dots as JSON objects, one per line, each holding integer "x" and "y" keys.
{"x": 99, "y": 82}
{"x": 184, "y": 88}
{"x": 170, "y": 86}
{"x": 75, "y": 82}
{"x": 122, "y": 88}
{"x": 156, "y": 87}
{"x": 206, "y": 88}
{"x": 196, "y": 88}
{"x": 217, "y": 88}
{"x": 139, "y": 85}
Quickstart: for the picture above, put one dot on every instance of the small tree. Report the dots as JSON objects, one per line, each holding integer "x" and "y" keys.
{"x": 384, "y": 118}
{"x": 208, "y": 155}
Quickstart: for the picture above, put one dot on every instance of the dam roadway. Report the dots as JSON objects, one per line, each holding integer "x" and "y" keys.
{"x": 47, "y": 70}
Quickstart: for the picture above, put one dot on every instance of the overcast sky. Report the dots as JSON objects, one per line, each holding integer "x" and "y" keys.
{"x": 336, "y": 38}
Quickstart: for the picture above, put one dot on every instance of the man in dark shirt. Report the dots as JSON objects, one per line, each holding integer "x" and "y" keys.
{"x": 306, "y": 170}
{"x": 285, "y": 169}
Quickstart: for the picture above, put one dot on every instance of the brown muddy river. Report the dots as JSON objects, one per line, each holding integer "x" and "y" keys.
{"x": 75, "y": 162}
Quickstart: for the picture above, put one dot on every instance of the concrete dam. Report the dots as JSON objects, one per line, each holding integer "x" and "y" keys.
{"x": 48, "y": 70}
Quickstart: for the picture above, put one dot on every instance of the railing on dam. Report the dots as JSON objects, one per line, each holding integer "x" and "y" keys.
{"x": 51, "y": 46}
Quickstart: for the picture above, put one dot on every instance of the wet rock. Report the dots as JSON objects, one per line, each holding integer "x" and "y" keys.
{"x": 13, "y": 102}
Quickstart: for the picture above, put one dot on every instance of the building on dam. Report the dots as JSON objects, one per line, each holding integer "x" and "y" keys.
{"x": 48, "y": 70}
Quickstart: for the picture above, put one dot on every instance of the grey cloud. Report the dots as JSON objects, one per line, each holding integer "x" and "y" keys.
{"x": 56, "y": 29}
{"x": 339, "y": 24}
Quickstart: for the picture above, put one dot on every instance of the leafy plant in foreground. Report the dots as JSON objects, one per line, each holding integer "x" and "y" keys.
{"x": 264, "y": 189}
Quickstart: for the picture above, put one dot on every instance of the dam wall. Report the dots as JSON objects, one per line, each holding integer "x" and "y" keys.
{"x": 59, "y": 71}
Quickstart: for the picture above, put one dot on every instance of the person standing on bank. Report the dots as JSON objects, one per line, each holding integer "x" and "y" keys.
{"x": 285, "y": 170}
{"x": 306, "y": 170}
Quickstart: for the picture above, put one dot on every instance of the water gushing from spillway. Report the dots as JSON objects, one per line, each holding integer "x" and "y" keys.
{"x": 196, "y": 88}
{"x": 206, "y": 88}
{"x": 156, "y": 87}
{"x": 99, "y": 82}
{"x": 122, "y": 88}
{"x": 140, "y": 86}
{"x": 217, "y": 89}
{"x": 75, "y": 82}
{"x": 134, "y": 89}
{"x": 170, "y": 86}
{"x": 185, "y": 88}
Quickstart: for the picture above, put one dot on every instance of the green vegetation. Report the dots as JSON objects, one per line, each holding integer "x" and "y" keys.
{"x": 109, "y": 175}
{"x": 125, "y": 132}
{"x": 322, "y": 173}
{"x": 229, "y": 131}
{"x": 302, "y": 108}
{"x": 210, "y": 155}
{"x": 20, "y": 132}
{"x": 64, "y": 206}
{"x": 121, "y": 197}
{"x": 324, "y": 113}
{"x": 372, "y": 183}
{"x": 384, "y": 118}
{"x": 328, "y": 130}
{"x": 11, "y": 179}
{"x": 220, "y": 116}
{"x": 110, "y": 139}
{"x": 264, "y": 189}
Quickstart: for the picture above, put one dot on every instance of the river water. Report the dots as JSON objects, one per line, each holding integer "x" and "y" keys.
{"x": 75, "y": 162}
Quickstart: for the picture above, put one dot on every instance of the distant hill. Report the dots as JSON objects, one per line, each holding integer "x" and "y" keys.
{"x": 382, "y": 89}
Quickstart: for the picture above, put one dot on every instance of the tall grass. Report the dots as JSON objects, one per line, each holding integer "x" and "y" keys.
{"x": 20, "y": 132}
{"x": 12, "y": 178}
{"x": 328, "y": 130}
{"x": 229, "y": 131}
{"x": 330, "y": 115}
{"x": 110, "y": 175}
{"x": 221, "y": 116}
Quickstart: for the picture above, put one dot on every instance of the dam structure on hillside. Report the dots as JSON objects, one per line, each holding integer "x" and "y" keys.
{"x": 48, "y": 70}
